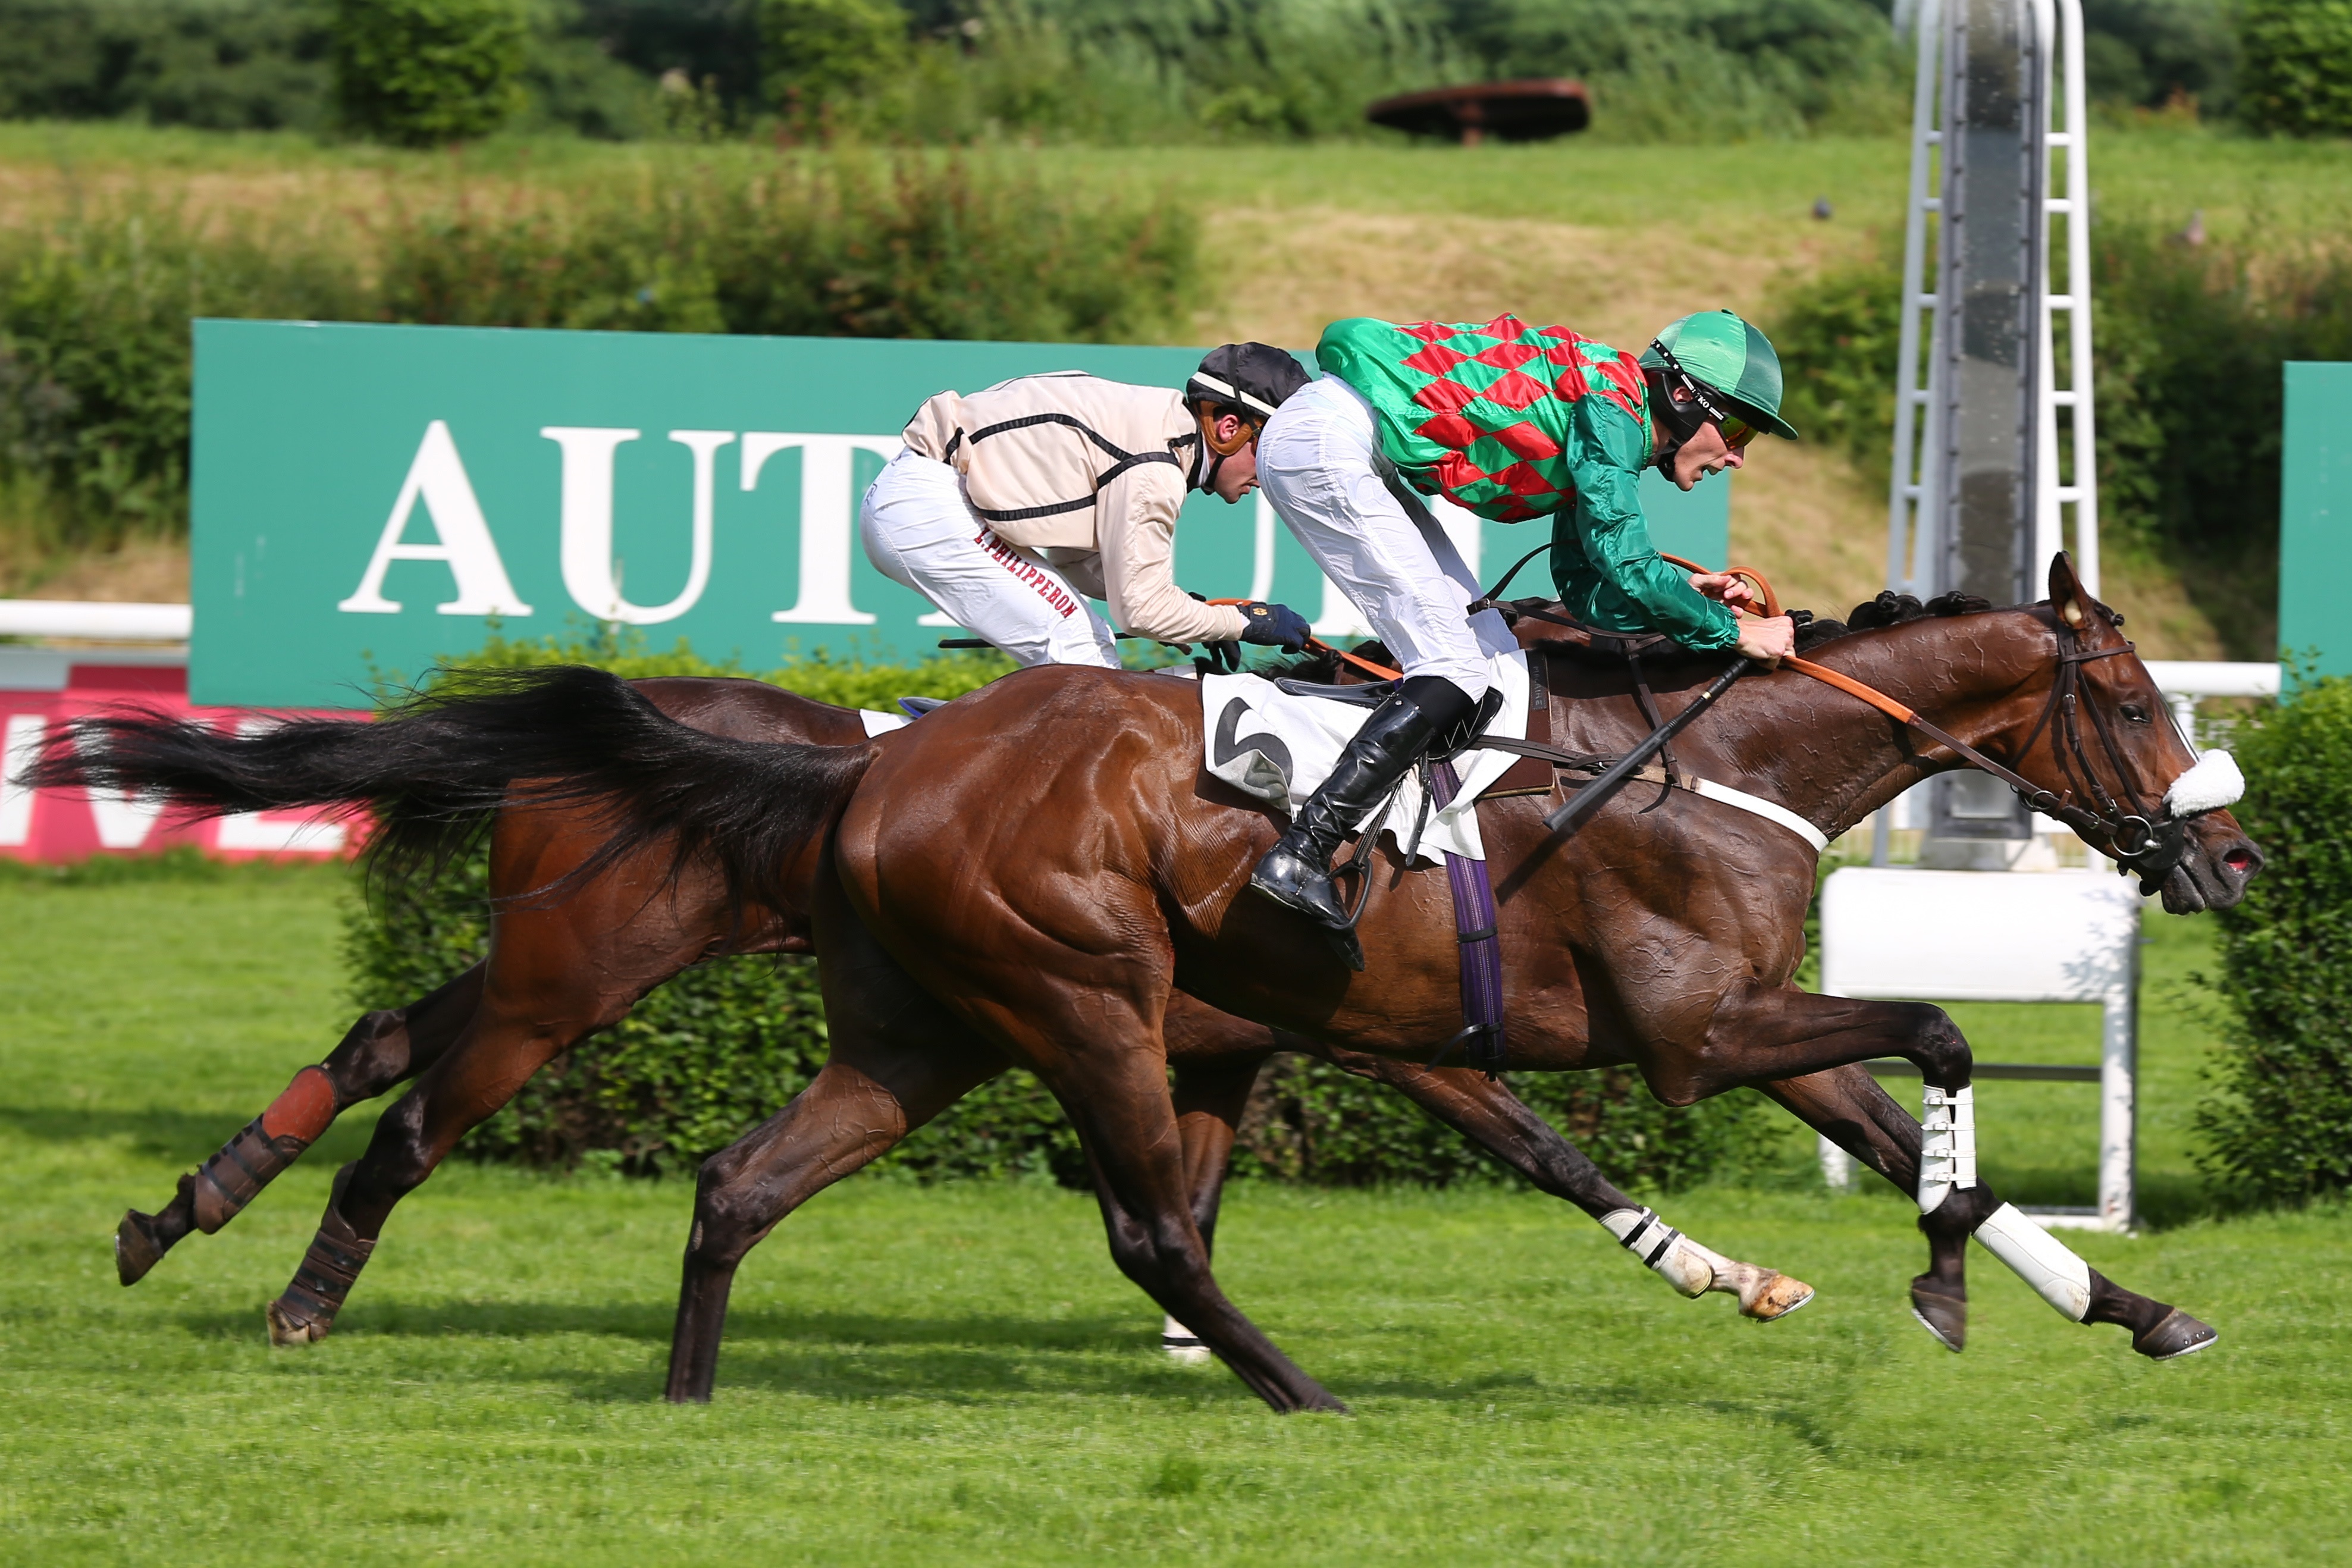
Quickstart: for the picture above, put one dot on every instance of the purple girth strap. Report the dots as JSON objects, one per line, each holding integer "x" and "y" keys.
{"x": 1481, "y": 1039}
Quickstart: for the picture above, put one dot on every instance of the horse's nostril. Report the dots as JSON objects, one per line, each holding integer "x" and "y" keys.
{"x": 2239, "y": 858}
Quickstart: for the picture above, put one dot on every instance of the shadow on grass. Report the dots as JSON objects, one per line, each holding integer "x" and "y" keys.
{"x": 179, "y": 1137}
{"x": 855, "y": 1357}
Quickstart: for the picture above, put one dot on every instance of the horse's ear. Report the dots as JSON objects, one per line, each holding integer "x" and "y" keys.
{"x": 2066, "y": 593}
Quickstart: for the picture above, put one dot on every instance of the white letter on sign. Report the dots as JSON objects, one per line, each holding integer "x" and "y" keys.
{"x": 463, "y": 544}
{"x": 587, "y": 551}
{"x": 826, "y": 518}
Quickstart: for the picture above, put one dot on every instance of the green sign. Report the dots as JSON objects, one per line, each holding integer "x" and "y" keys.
{"x": 369, "y": 499}
{"x": 2315, "y": 514}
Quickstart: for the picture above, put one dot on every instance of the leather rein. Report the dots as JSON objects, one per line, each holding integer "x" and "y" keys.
{"x": 2150, "y": 845}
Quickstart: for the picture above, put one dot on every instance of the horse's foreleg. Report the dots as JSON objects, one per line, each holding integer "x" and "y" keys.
{"x": 1482, "y": 1110}
{"x": 380, "y": 1051}
{"x": 1850, "y": 1108}
{"x": 1210, "y": 1097}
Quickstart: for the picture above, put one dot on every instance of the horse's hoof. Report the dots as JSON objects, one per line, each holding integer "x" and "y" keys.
{"x": 136, "y": 1250}
{"x": 1946, "y": 1317}
{"x": 2177, "y": 1335}
{"x": 1777, "y": 1298}
{"x": 287, "y": 1331}
{"x": 1182, "y": 1346}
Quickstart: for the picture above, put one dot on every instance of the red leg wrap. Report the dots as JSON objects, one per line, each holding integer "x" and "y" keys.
{"x": 270, "y": 1141}
{"x": 305, "y": 1111}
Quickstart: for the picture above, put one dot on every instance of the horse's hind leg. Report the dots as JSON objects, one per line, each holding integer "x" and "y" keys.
{"x": 898, "y": 1060}
{"x": 1848, "y": 1105}
{"x": 1210, "y": 1097}
{"x": 1482, "y": 1110}
{"x": 380, "y": 1050}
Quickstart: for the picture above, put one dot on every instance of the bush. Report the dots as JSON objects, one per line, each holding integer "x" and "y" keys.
{"x": 94, "y": 342}
{"x": 2188, "y": 346}
{"x": 419, "y": 73}
{"x": 2296, "y": 71}
{"x": 94, "y": 354}
{"x": 904, "y": 248}
{"x": 717, "y": 1050}
{"x": 2279, "y": 1123}
{"x": 224, "y": 65}
{"x": 820, "y": 53}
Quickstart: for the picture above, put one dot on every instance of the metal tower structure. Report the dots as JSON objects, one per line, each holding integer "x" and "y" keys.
{"x": 1982, "y": 479}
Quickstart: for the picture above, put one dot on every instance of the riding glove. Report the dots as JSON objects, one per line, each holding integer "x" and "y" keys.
{"x": 1277, "y": 626}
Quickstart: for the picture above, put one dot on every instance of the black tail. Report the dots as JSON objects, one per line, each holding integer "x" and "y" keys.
{"x": 437, "y": 767}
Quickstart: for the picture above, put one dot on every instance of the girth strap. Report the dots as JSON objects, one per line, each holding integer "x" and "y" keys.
{"x": 1480, "y": 1039}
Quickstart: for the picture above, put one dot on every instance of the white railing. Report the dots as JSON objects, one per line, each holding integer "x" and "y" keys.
{"x": 95, "y": 623}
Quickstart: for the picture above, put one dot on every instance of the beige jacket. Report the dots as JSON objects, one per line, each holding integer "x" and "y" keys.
{"x": 1088, "y": 474}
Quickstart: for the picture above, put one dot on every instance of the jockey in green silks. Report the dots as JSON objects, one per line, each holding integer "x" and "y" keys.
{"x": 1511, "y": 423}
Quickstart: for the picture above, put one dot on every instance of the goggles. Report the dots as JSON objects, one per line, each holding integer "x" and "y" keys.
{"x": 1737, "y": 431}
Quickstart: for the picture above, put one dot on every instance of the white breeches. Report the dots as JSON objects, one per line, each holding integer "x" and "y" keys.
{"x": 1319, "y": 461}
{"x": 919, "y": 529}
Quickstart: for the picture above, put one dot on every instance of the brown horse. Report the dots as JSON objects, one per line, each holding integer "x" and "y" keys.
{"x": 560, "y": 969}
{"x": 1048, "y": 862}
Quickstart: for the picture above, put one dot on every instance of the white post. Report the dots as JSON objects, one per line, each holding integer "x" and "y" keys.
{"x": 2118, "y": 1069}
{"x": 1837, "y": 1167}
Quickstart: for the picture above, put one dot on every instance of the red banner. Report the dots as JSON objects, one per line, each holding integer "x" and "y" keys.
{"x": 53, "y": 826}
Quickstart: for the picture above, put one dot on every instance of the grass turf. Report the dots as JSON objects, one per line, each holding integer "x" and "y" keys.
{"x": 959, "y": 1373}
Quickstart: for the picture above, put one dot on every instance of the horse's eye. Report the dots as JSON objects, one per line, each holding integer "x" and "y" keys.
{"x": 2135, "y": 713}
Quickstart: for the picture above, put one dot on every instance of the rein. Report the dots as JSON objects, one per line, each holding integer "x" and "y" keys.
{"x": 2150, "y": 845}
{"x": 1317, "y": 645}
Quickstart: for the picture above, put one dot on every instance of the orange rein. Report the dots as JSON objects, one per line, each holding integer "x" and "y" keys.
{"x": 1823, "y": 673}
{"x": 1319, "y": 645}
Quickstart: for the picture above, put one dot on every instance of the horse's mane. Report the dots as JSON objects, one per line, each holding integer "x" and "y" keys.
{"x": 1893, "y": 609}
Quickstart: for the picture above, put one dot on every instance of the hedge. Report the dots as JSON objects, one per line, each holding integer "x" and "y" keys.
{"x": 717, "y": 1050}
{"x": 2296, "y": 74}
{"x": 420, "y": 73}
{"x": 94, "y": 310}
{"x": 2278, "y": 1121}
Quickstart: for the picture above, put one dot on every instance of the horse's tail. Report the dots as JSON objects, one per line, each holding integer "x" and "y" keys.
{"x": 435, "y": 768}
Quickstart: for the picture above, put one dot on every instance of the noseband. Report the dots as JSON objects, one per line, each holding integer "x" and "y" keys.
{"x": 2152, "y": 847}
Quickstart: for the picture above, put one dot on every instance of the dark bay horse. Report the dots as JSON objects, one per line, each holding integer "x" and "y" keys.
{"x": 1047, "y": 864}
{"x": 561, "y": 969}
{"x": 1051, "y": 865}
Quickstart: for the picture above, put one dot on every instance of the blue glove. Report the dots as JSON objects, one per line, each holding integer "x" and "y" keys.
{"x": 1277, "y": 626}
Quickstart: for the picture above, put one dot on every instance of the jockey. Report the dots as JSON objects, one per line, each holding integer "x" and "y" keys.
{"x": 1511, "y": 421}
{"x": 1008, "y": 505}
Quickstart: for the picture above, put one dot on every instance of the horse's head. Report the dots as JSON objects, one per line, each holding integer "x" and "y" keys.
{"x": 2106, "y": 751}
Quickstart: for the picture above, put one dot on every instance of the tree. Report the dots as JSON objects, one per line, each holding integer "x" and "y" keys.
{"x": 423, "y": 72}
{"x": 2296, "y": 73}
{"x": 815, "y": 52}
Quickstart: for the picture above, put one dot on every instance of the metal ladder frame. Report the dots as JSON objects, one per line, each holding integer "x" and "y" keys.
{"x": 1916, "y": 487}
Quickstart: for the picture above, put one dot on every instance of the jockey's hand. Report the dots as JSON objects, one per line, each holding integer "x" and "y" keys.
{"x": 1769, "y": 642}
{"x": 1278, "y": 625}
{"x": 1733, "y": 591}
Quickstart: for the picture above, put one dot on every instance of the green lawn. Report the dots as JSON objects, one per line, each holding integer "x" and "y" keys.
{"x": 959, "y": 1375}
{"x": 2267, "y": 191}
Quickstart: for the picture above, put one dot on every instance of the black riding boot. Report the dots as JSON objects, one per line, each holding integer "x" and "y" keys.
{"x": 1296, "y": 871}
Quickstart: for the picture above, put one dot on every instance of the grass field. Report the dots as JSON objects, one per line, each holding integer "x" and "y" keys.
{"x": 959, "y": 1374}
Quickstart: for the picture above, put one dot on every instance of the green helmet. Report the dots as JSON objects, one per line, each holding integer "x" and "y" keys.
{"x": 1727, "y": 355}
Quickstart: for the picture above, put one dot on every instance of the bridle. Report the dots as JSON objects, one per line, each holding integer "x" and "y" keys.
{"x": 2151, "y": 843}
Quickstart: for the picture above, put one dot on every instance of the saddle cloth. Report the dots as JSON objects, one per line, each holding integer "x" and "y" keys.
{"x": 1266, "y": 742}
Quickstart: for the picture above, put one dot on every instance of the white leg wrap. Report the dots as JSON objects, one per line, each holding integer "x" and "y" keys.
{"x": 1947, "y": 1153}
{"x": 1181, "y": 1343}
{"x": 1682, "y": 1263}
{"x": 2038, "y": 1258}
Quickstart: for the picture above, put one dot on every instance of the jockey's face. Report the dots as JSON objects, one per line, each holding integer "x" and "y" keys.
{"x": 1705, "y": 453}
{"x": 1237, "y": 476}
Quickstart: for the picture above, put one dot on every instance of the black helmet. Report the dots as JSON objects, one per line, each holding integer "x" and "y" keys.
{"x": 1251, "y": 380}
